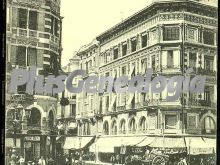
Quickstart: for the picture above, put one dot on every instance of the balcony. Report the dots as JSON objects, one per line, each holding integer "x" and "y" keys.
{"x": 206, "y": 72}
{"x": 201, "y": 103}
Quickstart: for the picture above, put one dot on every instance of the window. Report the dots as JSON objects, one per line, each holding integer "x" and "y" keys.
{"x": 21, "y": 89}
{"x": 100, "y": 106}
{"x": 209, "y": 63}
{"x": 152, "y": 121}
{"x": 132, "y": 126}
{"x": 33, "y": 20}
{"x": 153, "y": 63}
{"x": 21, "y": 56}
{"x": 144, "y": 41}
{"x": 142, "y": 125}
{"x": 207, "y": 95}
{"x": 209, "y": 125}
{"x": 105, "y": 128}
{"x": 208, "y": 37}
{"x": 56, "y": 27}
{"x": 22, "y": 16}
{"x": 170, "y": 121}
{"x": 171, "y": 33}
{"x": 122, "y": 127}
{"x": 133, "y": 45}
{"x": 73, "y": 110}
{"x": 114, "y": 127}
{"x": 115, "y": 53}
{"x": 169, "y": 58}
{"x": 124, "y": 49}
{"x": 32, "y": 57}
{"x": 107, "y": 102}
{"x": 192, "y": 121}
{"x": 192, "y": 60}
{"x": 123, "y": 71}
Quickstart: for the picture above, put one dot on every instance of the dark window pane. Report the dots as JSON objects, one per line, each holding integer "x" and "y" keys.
{"x": 115, "y": 53}
{"x": 144, "y": 41}
{"x": 171, "y": 33}
{"x": 33, "y": 20}
{"x": 22, "y": 16}
{"x": 208, "y": 37}
{"x": 21, "y": 56}
{"x": 124, "y": 49}
{"x": 133, "y": 45}
{"x": 169, "y": 58}
{"x": 32, "y": 57}
{"x": 56, "y": 27}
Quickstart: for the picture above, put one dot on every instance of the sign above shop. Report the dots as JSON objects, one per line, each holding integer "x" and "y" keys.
{"x": 32, "y": 138}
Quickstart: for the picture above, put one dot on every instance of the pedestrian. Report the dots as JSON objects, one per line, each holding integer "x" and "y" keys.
{"x": 7, "y": 159}
{"x": 112, "y": 159}
{"x": 21, "y": 160}
{"x": 117, "y": 159}
{"x": 181, "y": 162}
{"x": 42, "y": 161}
{"x": 201, "y": 161}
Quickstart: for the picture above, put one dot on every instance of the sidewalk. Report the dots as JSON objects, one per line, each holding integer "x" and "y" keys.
{"x": 98, "y": 163}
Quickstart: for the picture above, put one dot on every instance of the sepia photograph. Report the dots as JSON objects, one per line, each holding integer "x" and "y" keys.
{"x": 111, "y": 82}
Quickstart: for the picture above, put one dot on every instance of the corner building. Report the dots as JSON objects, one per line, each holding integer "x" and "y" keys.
{"x": 33, "y": 39}
{"x": 169, "y": 37}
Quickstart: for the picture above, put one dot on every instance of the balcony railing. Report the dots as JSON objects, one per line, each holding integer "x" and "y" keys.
{"x": 205, "y": 71}
{"x": 203, "y": 103}
{"x": 33, "y": 127}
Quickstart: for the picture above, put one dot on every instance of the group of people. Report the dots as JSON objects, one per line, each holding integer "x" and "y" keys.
{"x": 16, "y": 160}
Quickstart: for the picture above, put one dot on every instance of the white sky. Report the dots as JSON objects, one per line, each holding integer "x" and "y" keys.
{"x": 85, "y": 19}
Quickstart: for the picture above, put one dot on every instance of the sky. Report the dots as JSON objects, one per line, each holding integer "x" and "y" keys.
{"x": 86, "y": 19}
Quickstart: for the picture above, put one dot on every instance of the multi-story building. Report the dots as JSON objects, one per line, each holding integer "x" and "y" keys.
{"x": 33, "y": 39}
{"x": 169, "y": 37}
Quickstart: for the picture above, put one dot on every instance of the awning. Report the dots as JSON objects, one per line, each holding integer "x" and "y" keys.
{"x": 9, "y": 142}
{"x": 145, "y": 142}
{"x": 211, "y": 142}
{"x": 76, "y": 143}
{"x": 107, "y": 144}
{"x": 170, "y": 145}
{"x": 197, "y": 145}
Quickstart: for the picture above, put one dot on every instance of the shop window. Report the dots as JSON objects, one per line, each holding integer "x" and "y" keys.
{"x": 169, "y": 58}
{"x": 133, "y": 45}
{"x": 171, "y": 33}
{"x": 33, "y": 20}
{"x": 124, "y": 49}
{"x": 170, "y": 121}
{"x": 208, "y": 37}
{"x": 22, "y": 18}
{"x": 144, "y": 40}
{"x": 31, "y": 57}
{"x": 115, "y": 53}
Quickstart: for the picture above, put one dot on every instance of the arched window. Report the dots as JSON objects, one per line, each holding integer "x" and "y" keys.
{"x": 209, "y": 125}
{"x": 142, "y": 124}
{"x": 106, "y": 128}
{"x": 132, "y": 126}
{"x": 51, "y": 119}
{"x": 114, "y": 127}
{"x": 122, "y": 126}
{"x": 35, "y": 118}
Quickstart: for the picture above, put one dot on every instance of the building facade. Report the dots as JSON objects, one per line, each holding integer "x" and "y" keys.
{"x": 33, "y": 39}
{"x": 169, "y": 37}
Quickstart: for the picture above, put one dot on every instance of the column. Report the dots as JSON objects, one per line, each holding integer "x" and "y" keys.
{"x": 43, "y": 145}
{"x": 138, "y": 46}
{"x": 128, "y": 46}
{"x": 119, "y": 50}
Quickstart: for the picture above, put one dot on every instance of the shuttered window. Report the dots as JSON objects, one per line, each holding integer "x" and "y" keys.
{"x": 21, "y": 56}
